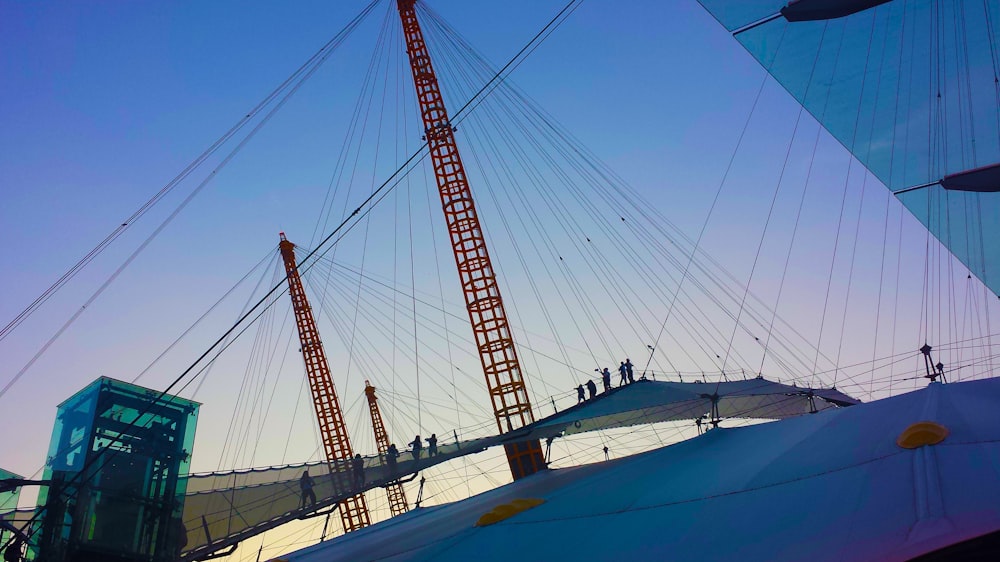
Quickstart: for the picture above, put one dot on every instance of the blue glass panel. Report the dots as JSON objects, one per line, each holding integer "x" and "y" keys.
{"x": 734, "y": 15}
{"x": 910, "y": 89}
{"x": 967, "y": 223}
{"x": 8, "y": 500}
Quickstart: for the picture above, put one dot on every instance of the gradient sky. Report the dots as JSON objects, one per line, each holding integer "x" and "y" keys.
{"x": 101, "y": 103}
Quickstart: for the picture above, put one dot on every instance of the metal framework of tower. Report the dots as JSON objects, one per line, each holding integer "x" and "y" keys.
{"x": 490, "y": 327}
{"x": 397, "y": 496}
{"x": 333, "y": 430}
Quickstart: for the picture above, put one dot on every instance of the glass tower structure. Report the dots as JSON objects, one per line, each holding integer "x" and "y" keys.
{"x": 115, "y": 462}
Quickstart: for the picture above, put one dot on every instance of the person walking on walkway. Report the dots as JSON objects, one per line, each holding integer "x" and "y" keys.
{"x": 624, "y": 373}
{"x": 580, "y": 396}
{"x": 390, "y": 458}
{"x": 628, "y": 370}
{"x": 606, "y": 379}
{"x": 13, "y": 551}
{"x": 180, "y": 538}
{"x": 306, "y": 483}
{"x": 592, "y": 389}
{"x": 416, "y": 444}
{"x": 358, "y": 464}
{"x": 432, "y": 445}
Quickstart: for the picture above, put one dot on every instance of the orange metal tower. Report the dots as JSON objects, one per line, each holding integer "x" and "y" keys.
{"x": 482, "y": 294}
{"x": 354, "y": 510}
{"x": 397, "y": 497}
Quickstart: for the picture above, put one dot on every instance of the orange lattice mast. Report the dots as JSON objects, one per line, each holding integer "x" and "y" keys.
{"x": 482, "y": 294}
{"x": 354, "y": 510}
{"x": 397, "y": 497}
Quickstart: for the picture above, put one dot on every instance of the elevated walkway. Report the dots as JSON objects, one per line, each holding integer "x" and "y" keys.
{"x": 222, "y": 509}
{"x": 646, "y": 401}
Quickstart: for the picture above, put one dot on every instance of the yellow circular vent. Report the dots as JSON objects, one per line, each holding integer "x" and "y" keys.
{"x": 507, "y": 510}
{"x": 922, "y": 433}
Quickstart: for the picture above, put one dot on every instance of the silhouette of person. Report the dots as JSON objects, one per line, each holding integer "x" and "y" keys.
{"x": 306, "y": 483}
{"x": 390, "y": 457}
{"x": 592, "y": 389}
{"x": 606, "y": 379}
{"x": 432, "y": 445}
{"x": 580, "y": 396}
{"x": 180, "y": 537}
{"x": 13, "y": 551}
{"x": 416, "y": 444}
{"x": 358, "y": 464}
{"x": 628, "y": 370}
{"x": 624, "y": 373}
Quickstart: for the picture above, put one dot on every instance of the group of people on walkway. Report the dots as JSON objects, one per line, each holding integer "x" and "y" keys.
{"x": 417, "y": 446}
{"x": 625, "y": 369}
{"x": 306, "y": 482}
{"x": 626, "y": 372}
{"x": 581, "y": 396}
{"x": 392, "y": 453}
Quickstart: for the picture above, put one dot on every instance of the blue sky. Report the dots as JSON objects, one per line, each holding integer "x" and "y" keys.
{"x": 102, "y": 103}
